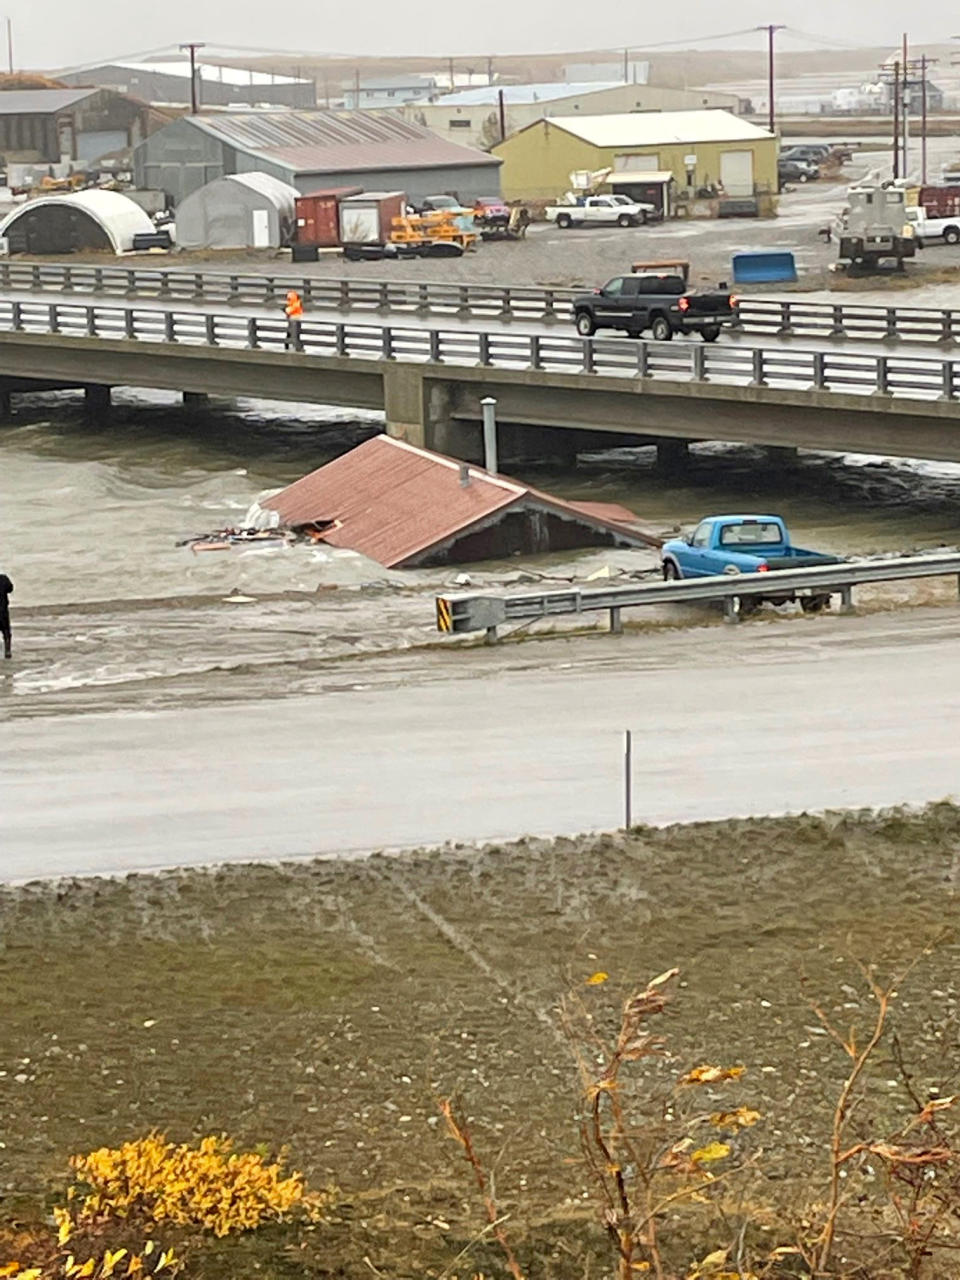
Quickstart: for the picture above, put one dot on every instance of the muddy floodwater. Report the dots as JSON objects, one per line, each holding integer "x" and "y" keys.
{"x": 110, "y": 613}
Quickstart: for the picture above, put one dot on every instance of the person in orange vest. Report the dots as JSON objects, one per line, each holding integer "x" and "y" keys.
{"x": 294, "y": 313}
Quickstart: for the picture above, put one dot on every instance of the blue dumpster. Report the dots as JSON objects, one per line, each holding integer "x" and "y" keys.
{"x": 764, "y": 266}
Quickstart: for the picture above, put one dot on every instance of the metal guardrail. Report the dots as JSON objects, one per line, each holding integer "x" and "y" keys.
{"x": 905, "y": 377}
{"x": 787, "y": 317}
{"x": 458, "y": 614}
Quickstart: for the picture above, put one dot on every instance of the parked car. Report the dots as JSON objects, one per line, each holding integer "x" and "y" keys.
{"x": 598, "y": 211}
{"x": 927, "y": 228}
{"x": 440, "y": 204}
{"x": 490, "y": 212}
{"x": 732, "y": 544}
{"x": 816, "y": 153}
{"x": 796, "y": 171}
{"x": 659, "y": 302}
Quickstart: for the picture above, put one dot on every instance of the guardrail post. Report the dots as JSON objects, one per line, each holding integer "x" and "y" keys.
{"x": 98, "y": 279}
{"x": 253, "y": 334}
{"x": 270, "y": 288}
{"x": 90, "y": 314}
{"x": 129, "y": 329}
{"x": 343, "y": 301}
{"x": 846, "y": 599}
{"x": 383, "y": 296}
{"x": 536, "y": 359}
{"x": 506, "y": 303}
{"x": 435, "y": 345}
{"x": 838, "y": 330}
{"x": 66, "y": 284}
{"x": 589, "y": 359}
{"x": 819, "y": 370}
{"x": 946, "y": 326}
{"x": 731, "y": 609}
{"x": 164, "y": 290}
{"x": 5, "y": 273}
{"x": 341, "y": 339}
{"x": 891, "y": 329}
{"x": 210, "y": 329}
{"x": 947, "y": 393}
{"x": 386, "y": 341}
{"x": 484, "y": 348}
{"x": 233, "y": 288}
{"x": 169, "y": 327}
{"x": 463, "y": 300}
{"x": 306, "y": 291}
{"x": 423, "y": 297}
{"x": 616, "y": 622}
{"x": 549, "y": 305}
{"x": 131, "y": 281}
{"x": 16, "y": 315}
{"x": 699, "y": 362}
{"x": 643, "y": 360}
{"x": 786, "y": 318}
{"x": 758, "y": 379}
{"x": 883, "y": 375}
{"x": 53, "y": 318}
{"x": 35, "y": 280}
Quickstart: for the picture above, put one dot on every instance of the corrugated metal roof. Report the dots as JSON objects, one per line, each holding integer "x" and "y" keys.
{"x": 524, "y": 94}
{"x": 337, "y": 141}
{"x": 36, "y": 102}
{"x": 394, "y": 503}
{"x": 660, "y": 128}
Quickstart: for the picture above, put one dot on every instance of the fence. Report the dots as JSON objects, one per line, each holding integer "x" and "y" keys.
{"x": 900, "y": 376}
{"x": 466, "y": 613}
{"x": 793, "y": 316}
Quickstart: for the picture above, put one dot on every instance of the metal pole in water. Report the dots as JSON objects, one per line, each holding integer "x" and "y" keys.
{"x": 489, "y": 406}
{"x": 627, "y": 779}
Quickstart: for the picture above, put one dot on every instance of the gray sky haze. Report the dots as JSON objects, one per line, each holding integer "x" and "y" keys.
{"x": 60, "y": 33}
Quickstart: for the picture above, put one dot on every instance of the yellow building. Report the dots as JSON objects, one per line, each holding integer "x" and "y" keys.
{"x": 712, "y": 150}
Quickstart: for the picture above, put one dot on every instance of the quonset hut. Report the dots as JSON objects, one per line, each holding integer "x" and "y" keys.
{"x": 238, "y": 211}
{"x": 75, "y": 220}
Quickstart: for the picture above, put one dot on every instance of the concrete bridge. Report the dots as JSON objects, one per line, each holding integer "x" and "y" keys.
{"x": 429, "y": 381}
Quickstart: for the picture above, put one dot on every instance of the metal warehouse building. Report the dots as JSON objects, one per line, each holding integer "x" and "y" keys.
{"x": 240, "y": 211}
{"x": 169, "y": 82}
{"x": 703, "y": 150}
{"x": 313, "y": 149}
{"x": 65, "y": 128}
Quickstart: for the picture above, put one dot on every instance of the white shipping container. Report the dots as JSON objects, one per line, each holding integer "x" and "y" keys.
{"x": 360, "y": 223}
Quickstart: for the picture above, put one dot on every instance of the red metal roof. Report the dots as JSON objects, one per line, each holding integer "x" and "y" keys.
{"x": 394, "y": 502}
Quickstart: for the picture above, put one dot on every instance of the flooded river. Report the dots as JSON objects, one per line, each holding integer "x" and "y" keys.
{"x": 110, "y": 613}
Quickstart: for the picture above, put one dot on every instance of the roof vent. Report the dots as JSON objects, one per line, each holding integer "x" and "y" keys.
{"x": 464, "y": 475}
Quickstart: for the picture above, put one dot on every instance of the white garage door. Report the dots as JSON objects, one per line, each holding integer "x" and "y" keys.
{"x": 736, "y": 172}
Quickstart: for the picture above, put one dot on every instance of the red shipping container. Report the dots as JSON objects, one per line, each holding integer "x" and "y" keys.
{"x": 940, "y": 202}
{"x": 318, "y": 221}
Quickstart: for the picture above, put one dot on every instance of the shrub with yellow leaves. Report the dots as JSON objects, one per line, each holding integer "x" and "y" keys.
{"x": 209, "y": 1185}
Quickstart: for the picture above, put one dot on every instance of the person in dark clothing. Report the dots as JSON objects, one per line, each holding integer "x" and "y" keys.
{"x": 6, "y": 590}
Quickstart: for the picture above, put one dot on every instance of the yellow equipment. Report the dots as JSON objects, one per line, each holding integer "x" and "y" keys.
{"x": 438, "y": 227}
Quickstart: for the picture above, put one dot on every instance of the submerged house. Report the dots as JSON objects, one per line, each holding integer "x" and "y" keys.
{"x": 407, "y": 507}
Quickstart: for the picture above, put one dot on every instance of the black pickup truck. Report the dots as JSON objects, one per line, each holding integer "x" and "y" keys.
{"x": 654, "y": 298}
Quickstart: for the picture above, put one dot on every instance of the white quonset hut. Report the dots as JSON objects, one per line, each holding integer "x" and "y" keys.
{"x": 239, "y": 211}
{"x": 75, "y": 220}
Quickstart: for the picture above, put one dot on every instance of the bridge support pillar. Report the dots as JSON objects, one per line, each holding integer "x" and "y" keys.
{"x": 672, "y": 455}
{"x": 96, "y": 398}
{"x": 782, "y": 457}
{"x": 192, "y": 399}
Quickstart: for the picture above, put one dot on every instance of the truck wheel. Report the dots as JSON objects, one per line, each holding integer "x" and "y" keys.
{"x": 747, "y": 605}
{"x": 585, "y": 325}
{"x": 624, "y": 220}
{"x": 814, "y": 604}
{"x": 563, "y": 222}
{"x": 660, "y": 329}
{"x": 711, "y": 333}
{"x": 951, "y": 235}
{"x": 670, "y": 572}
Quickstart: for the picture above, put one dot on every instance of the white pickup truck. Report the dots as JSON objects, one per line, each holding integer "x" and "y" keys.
{"x": 602, "y": 211}
{"x": 926, "y": 228}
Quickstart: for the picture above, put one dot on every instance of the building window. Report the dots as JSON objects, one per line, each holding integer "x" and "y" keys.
{"x": 459, "y": 123}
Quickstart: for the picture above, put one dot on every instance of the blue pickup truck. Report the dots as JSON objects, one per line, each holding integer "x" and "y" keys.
{"x": 744, "y": 544}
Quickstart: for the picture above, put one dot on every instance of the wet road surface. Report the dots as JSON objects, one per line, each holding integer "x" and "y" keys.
{"x": 475, "y": 746}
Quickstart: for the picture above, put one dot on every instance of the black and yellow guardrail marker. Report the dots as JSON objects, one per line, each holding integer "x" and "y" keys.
{"x": 444, "y": 617}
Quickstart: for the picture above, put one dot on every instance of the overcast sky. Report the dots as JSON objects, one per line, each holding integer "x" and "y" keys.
{"x": 57, "y": 33}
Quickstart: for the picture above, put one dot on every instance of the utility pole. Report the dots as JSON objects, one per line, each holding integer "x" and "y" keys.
{"x": 923, "y": 120}
{"x": 194, "y": 95}
{"x": 896, "y": 119}
{"x": 450, "y": 66}
{"x": 489, "y": 70}
{"x": 905, "y": 104}
{"x": 10, "y": 45}
{"x": 771, "y": 29}
{"x": 626, "y": 66}
{"x": 356, "y": 89}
